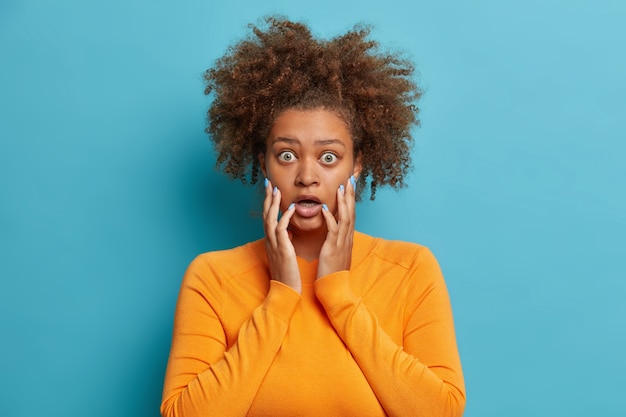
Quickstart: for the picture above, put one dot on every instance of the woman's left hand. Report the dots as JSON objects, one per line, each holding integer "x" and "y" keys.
{"x": 336, "y": 252}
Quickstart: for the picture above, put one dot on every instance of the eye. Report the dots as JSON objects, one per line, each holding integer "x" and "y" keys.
{"x": 328, "y": 158}
{"x": 286, "y": 156}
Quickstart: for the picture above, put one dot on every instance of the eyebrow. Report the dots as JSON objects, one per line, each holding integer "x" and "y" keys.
{"x": 322, "y": 142}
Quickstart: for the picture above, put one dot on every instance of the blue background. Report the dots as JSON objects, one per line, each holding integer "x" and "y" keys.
{"x": 108, "y": 190}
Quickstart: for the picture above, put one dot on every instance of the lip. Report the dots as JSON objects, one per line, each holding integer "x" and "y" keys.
{"x": 308, "y": 210}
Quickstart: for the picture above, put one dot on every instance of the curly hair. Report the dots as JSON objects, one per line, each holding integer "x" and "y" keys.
{"x": 281, "y": 66}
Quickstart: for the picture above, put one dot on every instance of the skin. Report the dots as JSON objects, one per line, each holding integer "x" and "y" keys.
{"x": 308, "y": 162}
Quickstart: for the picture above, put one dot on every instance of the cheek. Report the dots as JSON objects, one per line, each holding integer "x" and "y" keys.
{"x": 331, "y": 196}
{"x": 271, "y": 173}
{"x": 336, "y": 180}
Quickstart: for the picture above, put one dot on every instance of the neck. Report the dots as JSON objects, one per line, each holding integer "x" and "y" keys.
{"x": 308, "y": 244}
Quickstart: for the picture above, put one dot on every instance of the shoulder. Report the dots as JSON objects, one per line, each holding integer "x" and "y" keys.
{"x": 230, "y": 262}
{"x": 407, "y": 255}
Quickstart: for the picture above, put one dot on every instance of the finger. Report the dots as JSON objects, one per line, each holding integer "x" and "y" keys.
{"x": 351, "y": 194}
{"x": 271, "y": 218}
{"x": 283, "y": 234}
{"x": 343, "y": 211}
{"x": 347, "y": 214}
{"x": 267, "y": 201}
{"x": 331, "y": 222}
{"x": 274, "y": 204}
{"x": 282, "y": 228}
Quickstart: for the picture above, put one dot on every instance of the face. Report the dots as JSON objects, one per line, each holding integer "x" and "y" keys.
{"x": 308, "y": 154}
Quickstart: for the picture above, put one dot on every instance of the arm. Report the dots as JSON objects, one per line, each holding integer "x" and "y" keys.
{"x": 203, "y": 377}
{"x": 423, "y": 377}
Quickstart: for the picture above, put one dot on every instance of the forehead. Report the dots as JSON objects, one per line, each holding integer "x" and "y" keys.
{"x": 310, "y": 125}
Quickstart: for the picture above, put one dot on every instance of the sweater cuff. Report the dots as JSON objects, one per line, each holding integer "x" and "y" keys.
{"x": 281, "y": 300}
{"x": 334, "y": 291}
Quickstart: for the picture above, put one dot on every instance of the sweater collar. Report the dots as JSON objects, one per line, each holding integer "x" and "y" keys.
{"x": 362, "y": 246}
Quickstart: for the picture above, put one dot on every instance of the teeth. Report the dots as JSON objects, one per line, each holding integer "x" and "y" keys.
{"x": 308, "y": 203}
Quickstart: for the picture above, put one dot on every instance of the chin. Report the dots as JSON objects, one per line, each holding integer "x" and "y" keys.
{"x": 311, "y": 225}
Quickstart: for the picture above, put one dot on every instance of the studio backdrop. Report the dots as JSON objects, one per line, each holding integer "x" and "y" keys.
{"x": 108, "y": 189}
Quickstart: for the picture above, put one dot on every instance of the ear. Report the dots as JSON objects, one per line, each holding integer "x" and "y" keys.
{"x": 358, "y": 165}
{"x": 262, "y": 164}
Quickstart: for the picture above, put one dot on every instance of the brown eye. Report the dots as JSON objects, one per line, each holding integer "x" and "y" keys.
{"x": 328, "y": 158}
{"x": 286, "y": 156}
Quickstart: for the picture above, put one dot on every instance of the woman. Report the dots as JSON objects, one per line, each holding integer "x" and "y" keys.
{"x": 315, "y": 319}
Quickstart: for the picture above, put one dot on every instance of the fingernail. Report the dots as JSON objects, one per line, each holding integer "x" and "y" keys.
{"x": 343, "y": 190}
{"x": 292, "y": 205}
{"x": 325, "y": 207}
{"x": 353, "y": 181}
{"x": 275, "y": 190}
{"x": 266, "y": 182}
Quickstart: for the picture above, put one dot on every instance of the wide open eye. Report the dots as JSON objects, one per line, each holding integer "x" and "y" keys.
{"x": 328, "y": 158}
{"x": 286, "y": 156}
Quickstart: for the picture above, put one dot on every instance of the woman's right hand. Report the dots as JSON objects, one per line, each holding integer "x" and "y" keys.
{"x": 280, "y": 251}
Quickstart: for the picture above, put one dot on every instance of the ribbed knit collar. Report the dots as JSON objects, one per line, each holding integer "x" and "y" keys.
{"x": 362, "y": 246}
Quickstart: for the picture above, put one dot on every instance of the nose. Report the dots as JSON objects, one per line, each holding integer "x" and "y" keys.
{"x": 307, "y": 173}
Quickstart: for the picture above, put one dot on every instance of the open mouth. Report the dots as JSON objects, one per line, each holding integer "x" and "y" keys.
{"x": 308, "y": 206}
{"x": 308, "y": 203}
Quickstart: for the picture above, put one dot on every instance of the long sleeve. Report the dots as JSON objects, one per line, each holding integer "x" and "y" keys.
{"x": 417, "y": 372}
{"x": 218, "y": 361}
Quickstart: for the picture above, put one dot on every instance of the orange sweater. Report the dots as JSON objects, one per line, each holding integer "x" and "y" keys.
{"x": 373, "y": 341}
